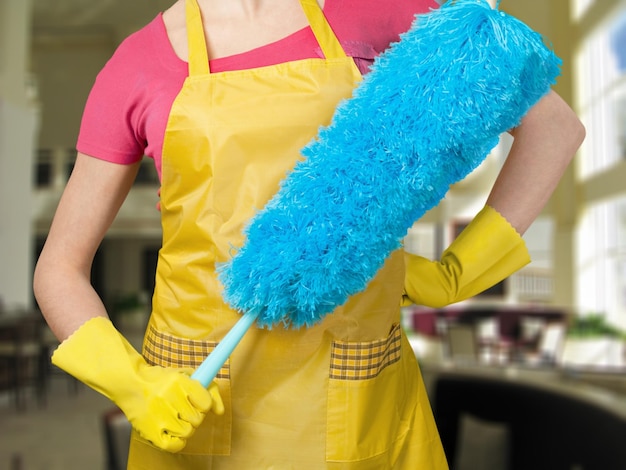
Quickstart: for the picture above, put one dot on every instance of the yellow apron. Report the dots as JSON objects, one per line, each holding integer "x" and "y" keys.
{"x": 346, "y": 393}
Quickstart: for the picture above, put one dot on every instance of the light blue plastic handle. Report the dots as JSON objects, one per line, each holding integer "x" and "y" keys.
{"x": 209, "y": 368}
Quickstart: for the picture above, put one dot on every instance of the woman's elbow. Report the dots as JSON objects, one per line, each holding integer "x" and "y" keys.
{"x": 49, "y": 272}
{"x": 552, "y": 119}
{"x": 573, "y": 129}
{"x": 41, "y": 277}
{"x": 580, "y": 132}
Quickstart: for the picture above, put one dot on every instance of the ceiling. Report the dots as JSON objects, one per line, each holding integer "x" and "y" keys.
{"x": 58, "y": 18}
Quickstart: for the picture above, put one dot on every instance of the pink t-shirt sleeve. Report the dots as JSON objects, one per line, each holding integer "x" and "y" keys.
{"x": 127, "y": 108}
{"x": 108, "y": 129}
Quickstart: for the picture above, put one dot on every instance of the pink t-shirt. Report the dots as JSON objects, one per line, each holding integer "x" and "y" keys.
{"x": 127, "y": 110}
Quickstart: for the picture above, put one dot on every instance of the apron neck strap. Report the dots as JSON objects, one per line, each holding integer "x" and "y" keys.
{"x": 321, "y": 29}
{"x": 199, "y": 57}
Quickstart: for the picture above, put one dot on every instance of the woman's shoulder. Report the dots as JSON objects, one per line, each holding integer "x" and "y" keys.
{"x": 366, "y": 28}
{"x": 143, "y": 65}
{"x": 132, "y": 92}
{"x": 385, "y": 7}
{"x": 148, "y": 48}
{"x": 378, "y": 22}
{"x": 382, "y": 11}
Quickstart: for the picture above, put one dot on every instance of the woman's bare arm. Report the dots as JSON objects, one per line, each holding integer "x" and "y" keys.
{"x": 90, "y": 202}
{"x": 544, "y": 144}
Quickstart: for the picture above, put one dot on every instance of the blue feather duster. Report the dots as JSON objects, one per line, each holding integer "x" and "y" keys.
{"x": 428, "y": 113}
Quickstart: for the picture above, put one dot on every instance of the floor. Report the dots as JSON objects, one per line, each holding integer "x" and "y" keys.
{"x": 65, "y": 434}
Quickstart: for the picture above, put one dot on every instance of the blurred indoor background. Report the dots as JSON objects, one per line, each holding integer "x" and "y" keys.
{"x": 558, "y": 325}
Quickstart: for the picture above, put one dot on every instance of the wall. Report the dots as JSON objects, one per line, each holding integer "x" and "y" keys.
{"x": 66, "y": 67}
{"x": 18, "y": 130}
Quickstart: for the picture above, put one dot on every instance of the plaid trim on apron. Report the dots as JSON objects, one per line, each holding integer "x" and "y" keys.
{"x": 365, "y": 360}
{"x": 165, "y": 350}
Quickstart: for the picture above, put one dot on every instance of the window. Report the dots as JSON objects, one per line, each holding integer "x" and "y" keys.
{"x": 54, "y": 167}
{"x": 44, "y": 169}
{"x": 601, "y": 69}
{"x": 69, "y": 158}
{"x": 147, "y": 174}
{"x": 601, "y": 232}
{"x": 580, "y": 7}
{"x": 602, "y": 261}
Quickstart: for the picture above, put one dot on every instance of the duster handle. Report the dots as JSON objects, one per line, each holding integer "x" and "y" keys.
{"x": 209, "y": 368}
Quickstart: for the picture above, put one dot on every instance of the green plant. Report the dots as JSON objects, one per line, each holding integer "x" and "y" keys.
{"x": 128, "y": 302}
{"x": 593, "y": 326}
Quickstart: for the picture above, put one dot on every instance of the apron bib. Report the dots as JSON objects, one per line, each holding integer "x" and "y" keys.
{"x": 352, "y": 379}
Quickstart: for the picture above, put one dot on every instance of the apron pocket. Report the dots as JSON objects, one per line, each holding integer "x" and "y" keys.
{"x": 161, "y": 349}
{"x": 371, "y": 399}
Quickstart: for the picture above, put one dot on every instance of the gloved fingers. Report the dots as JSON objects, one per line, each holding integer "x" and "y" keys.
{"x": 163, "y": 428}
{"x": 197, "y": 400}
{"x": 172, "y": 443}
{"x": 175, "y": 428}
{"x": 173, "y": 410}
{"x": 188, "y": 399}
{"x": 198, "y": 396}
{"x": 166, "y": 441}
{"x": 179, "y": 418}
{"x": 203, "y": 401}
{"x": 190, "y": 413}
{"x": 176, "y": 387}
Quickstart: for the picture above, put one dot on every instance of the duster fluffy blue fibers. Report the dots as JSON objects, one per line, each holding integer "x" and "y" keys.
{"x": 427, "y": 114}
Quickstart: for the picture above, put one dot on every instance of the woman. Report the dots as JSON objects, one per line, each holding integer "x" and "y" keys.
{"x": 223, "y": 95}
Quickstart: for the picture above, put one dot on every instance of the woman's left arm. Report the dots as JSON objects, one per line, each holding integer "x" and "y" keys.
{"x": 544, "y": 144}
{"x": 491, "y": 248}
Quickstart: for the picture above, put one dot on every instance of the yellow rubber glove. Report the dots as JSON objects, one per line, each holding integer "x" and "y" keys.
{"x": 165, "y": 406}
{"x": 487, "y": 251}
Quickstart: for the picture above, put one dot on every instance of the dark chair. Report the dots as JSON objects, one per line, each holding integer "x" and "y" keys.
{"x": 49, "y": 345}
{"x": 23, "y": 357}
{"x": 546, "y": 428}
{"x": 462, "y": 342}
{"x": 116, "y": 429}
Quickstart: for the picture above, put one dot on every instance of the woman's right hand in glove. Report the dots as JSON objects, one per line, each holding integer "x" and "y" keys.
{"x": 165, "y": 406}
